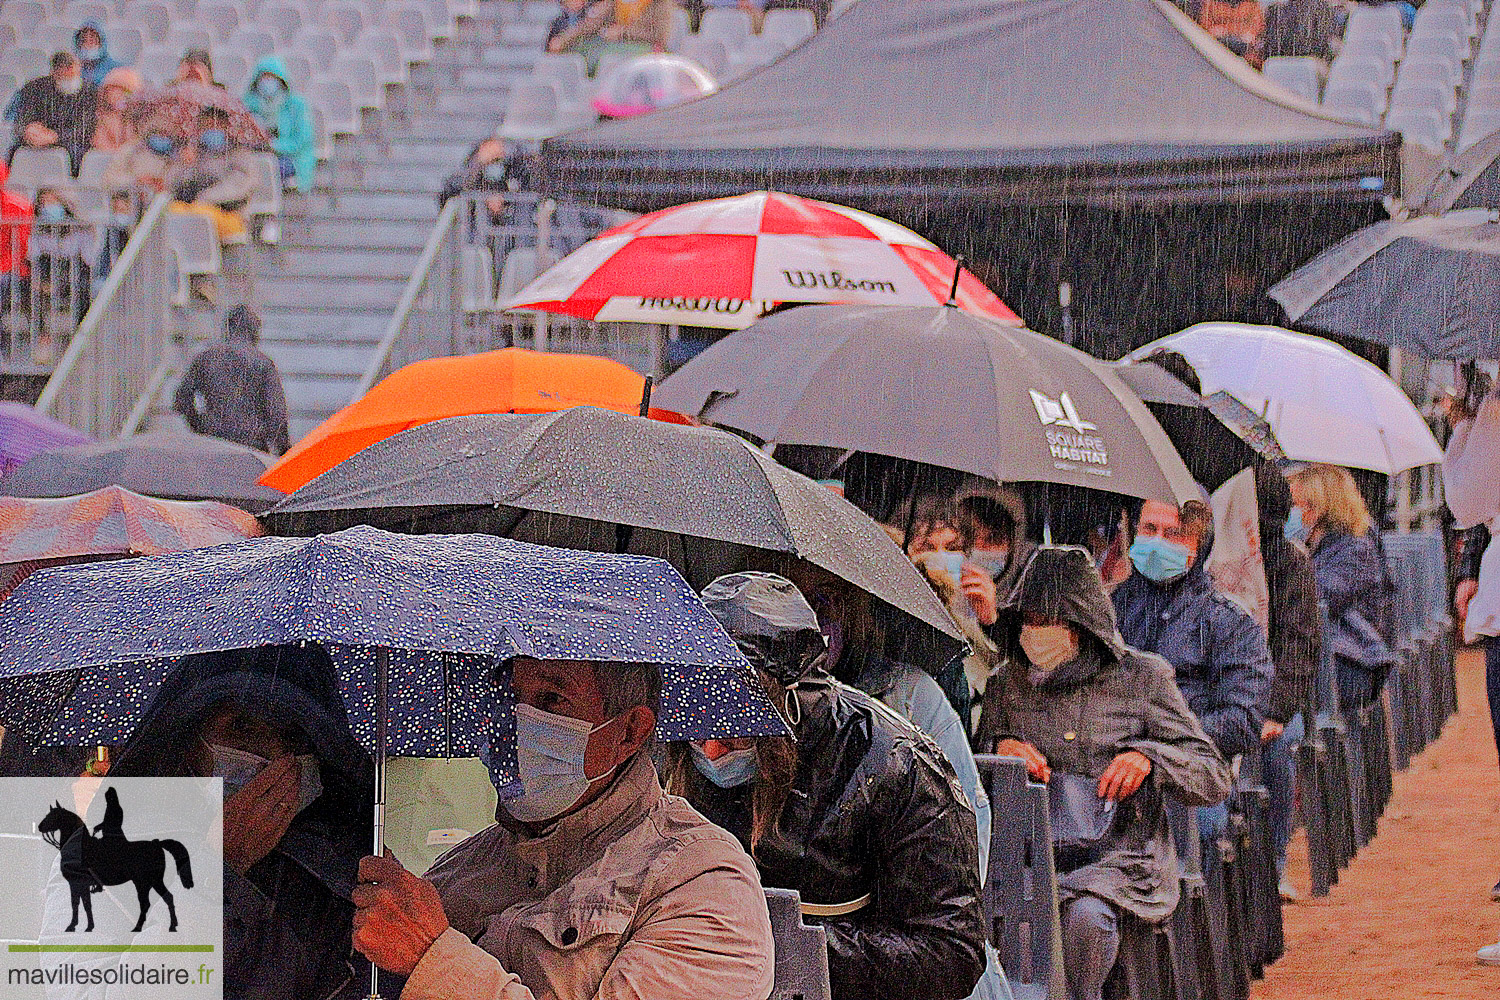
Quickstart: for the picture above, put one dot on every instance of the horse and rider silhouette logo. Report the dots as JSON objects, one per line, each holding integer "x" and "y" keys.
{"x": 90, "y": 863}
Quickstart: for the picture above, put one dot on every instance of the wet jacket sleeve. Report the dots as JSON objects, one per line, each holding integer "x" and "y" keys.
{"x": 455, "y": 968}
{"x": 923, "y": 934}
{"x": 1182, "y": 756}
{"x": 1242, "y": 665}
{"x": 1296, "y": 640}
{"x": 1347, "y": 571}
{"x": 273, "y": 410}
{"x": 1469, "y": 559}
{"x": 183, "y": 400}
{"x": 238, "y": 183}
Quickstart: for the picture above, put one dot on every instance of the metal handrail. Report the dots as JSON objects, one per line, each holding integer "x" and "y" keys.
{"x": 86, "y": 395}
{"x": 441, "y": 230}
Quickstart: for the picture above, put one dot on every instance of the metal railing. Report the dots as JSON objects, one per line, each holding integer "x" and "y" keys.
{"x": 45, "y": 288}
{"x": 123, "y": 348}
{"x": 472, "y": 262}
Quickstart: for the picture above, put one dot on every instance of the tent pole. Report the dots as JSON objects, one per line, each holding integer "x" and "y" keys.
{"x": 382, "y": 713}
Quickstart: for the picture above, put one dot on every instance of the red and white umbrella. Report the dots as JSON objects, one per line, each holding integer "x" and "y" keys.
{"x": 722, "y": 263}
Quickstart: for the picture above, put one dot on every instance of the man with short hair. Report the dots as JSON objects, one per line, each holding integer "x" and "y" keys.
{"x": 1168, "y": 606}
{"x": 57, "y": 110}
{"x": 233, "y": 390}
{"x": 593, "y": 884}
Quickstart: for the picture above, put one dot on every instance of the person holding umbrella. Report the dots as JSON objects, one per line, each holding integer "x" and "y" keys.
{"x": 593, "y": 883}
{"x": 858, "y": 813}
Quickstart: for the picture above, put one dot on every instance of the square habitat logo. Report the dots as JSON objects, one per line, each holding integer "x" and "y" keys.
{"x": 113, "y": 889}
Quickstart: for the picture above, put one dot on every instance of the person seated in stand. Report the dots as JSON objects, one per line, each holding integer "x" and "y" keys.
{"x": 214, "y": 177}
{"x": 196, "y": 66}
{"x": 571, "y": 16}
{"x": 287, "y": 120}
{"x": 298, "y": 810}
{"x": 594, "y": 883}
{"x": 629, "y": 27}
{"x": 92, "y": 50}
{"x": 57, "y": 111}
{"x": 860, "y": 813}
{"x": 1105, "y": 727}
{"x": 1238, "y": 25}
{"x": 114, "y": 126}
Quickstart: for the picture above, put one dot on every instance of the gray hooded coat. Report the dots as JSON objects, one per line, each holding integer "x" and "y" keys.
{"x": 1107, "y": 700}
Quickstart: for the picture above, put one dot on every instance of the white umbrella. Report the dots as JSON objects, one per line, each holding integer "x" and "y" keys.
{"x": 1323, "y": 403}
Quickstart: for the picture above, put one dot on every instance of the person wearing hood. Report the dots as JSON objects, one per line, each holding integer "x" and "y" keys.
{"x": 92, "y": 50}
{"x": 286, "y": 119}
{"x": 860, "y": 813}
{"x": 233, "y": 390}
{"x": 1353, "y": 581}
{"x": 57, "y": 110}
{"x": 1106, "y": 728}
{"x": 1294, "y": 636}
{"x": 297, "y": 813}
{"x": 196, "y": 66}
{"x": 59, "y": 252}
{"x": 993, "y": 518}
{"x": 113, "y": 126}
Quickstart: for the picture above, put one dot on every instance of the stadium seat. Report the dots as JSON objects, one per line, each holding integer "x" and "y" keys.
{"x": 232, "y": 69}
{"x": 789, "y": 27}
{"x": 256, "y": 43}
{"x": 8, "y": 35}
{"x": 1444, "y": 47}
{"x": 1423, "y": 95}
{"x": 609, "y": 62}
{"x": 52, "y": 36}
{"x": 709, "y": 53}
{"x": 757, "y": 51}
{"x": 195, "y": 246}
{"x": 34, "y": 168}
{"x": 1383, "y": 23}
{"x": 729, "y": 25}
{"x": 153, "y": 20}
{"x": 533, "y": 110}
{"x": 1368, "y": 46}
{"x": 183, "y": 10}
{"x": 382, "y": 46}
{"x": 570, "y": 74}
{"x": 1302, "y": 75}
{"x": 183, "y": 37}
{"x": 409, "y": 22}
{"x": 840, "y": 7}
{"x": 439, "y": 18}
{"x": 517, "y": 271}
{"x": 801, "y": 950}
{"x": 320, "y": 45}
{"x": 125, "y": 43}
{"x": 1375, "y": 71}
{"x": 78, "y": 11}
{"x": 1487, "y": 69}
{"x": 362, "y": 77}
{"x": 477, "y": 289}
{"x": 282, "y": 19}
{"x": 1484, "y": 96}
{"x": 266, "y": 202}
{"x": 24, "y": 63}
{"x": 91, "y": 170}
{"x": 299, "y": 70}
{"x": 681, "y": 28}
{"x": 1355, "y": 101}
{"x": 346, "y": 19}
{"x": 1428, "y": 127}
{"x": 26, "y": 15}
{"x": 340, "y": 116}
{"x": 158, "y": 64}
{"x": 219, "y": 17}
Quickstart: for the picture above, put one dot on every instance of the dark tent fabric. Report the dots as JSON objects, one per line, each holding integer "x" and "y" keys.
{"x": 1106, "y": 103}
{"x": 1467, "y": 179}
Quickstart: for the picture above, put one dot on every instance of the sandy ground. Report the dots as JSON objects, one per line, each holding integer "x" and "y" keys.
{"x": 1409, "y": 912}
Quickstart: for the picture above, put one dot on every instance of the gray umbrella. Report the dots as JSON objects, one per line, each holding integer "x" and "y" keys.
{"x": 1469, "y": 178}
{"x": 595, "y": 479}
{"x": 1428, "y": 285}
{"x": 176, "y": 465}
{"x": 933, "y": 385}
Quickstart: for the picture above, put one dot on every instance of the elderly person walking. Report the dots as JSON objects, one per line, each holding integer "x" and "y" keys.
{"x": 593, "y": 884}
{"x": 1105, "y": 726}
{"x": 860, "y": 813}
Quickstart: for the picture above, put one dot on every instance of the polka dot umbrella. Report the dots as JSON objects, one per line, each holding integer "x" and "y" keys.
{"x": 415, "y": 625}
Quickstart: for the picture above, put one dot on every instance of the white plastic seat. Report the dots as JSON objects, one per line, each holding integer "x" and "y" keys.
{"x": 183, "y": 11}
{"x": 8, "y": 36}
{"x": 755, "y": 53}
{"x": 1376, "y": 71}
{"x": 1354, "y": 101}
{"x": 729, "y": 25}
{"x": 1445, "y": 47}
{"x": 363, "y": 78}
{"x": 382, "y": 46}
{"x": 478, "y": 281}
{"x": 1487, "y": 69}
{"x": 152, "y": 19}
{"x": 232, "y": 69}
{"x": 265, "y": 203}
{"x": 299, "y": 70}
{"x": 183, "y": 37}
{"x": 1420, "y": 125}
{"x": 790, "y": 27}
{"x": 409, "y": 22}
{"x": 24, "y": 62}
{"x": 439, "y": 18}
{"x": 281, "y": 19}
{"x": 37, "y": 168}
{"x": 840, "y": 7}
{"x": 320, "y": 45}
{"x": 255, "y": 43}
{"x": 1432, "y": 96}
{"x": 346, "y": 19}
{"x": 332, "y": 97}
{"x": 125, "y": 43}
{"x": 1302, "y": 75}
{"x": 222, "y": 18}
{"x": 1477, "y": 125}
{"x": 533, "y": 110}
{"x": 1369, "y": 45}
{"x": 52, "y": 36}
{"x": 158, "y": 64}
{"x": 1434, "y": 19}
{"x": 26, "y": 15}
{"x": 568, "y": 71}
{"x": 1483, "y": 96}
{"x": 1425, "y": 70}
{"x": 91, "y": 170}
{"x": 78, "y": 11}
{"x": 517, "y": 271}
{"x": 710, "y": 53}
{"x": 682, "y": 26}
{"x": 195, "y": 247}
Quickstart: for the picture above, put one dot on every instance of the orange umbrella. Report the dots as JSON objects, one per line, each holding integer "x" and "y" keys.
{"x": 511, "y": 380}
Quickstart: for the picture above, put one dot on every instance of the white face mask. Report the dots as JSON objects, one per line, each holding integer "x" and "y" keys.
{"x": 238, "y": 766}
{"x": 71, "y": 85}
{"x": 1048, "y": 646}
{"x": 550, "y": 751}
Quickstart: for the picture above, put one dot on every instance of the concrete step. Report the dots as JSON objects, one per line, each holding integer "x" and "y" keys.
{"x": 471, "y": 103}
{"x": 375, "y": 205}
{"x": 334, "y": 231}
{"x": 280, "y": 291}
{"x": 305, "y": 360}
{"x": 496, "y": 80}
{"x": 314, "y": 398}
{"x": 338, "y": 327}
{"x": 334, "y": 263}
{"x": 427, "y": 177}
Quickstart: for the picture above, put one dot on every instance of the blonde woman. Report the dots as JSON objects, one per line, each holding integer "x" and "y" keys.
{"x": 1330, "y": 516}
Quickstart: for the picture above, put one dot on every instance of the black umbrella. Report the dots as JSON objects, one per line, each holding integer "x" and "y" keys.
{"x": 1429, "y": 285}
{"x": 176, "y": 465}
{"x": 1216, "y": 435}
{"x": 937, "y": 386}
{"x": 595, "y": 479}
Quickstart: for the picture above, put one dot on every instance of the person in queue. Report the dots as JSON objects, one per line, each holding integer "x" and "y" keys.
{"x": 1295, "y": 637}
{"x": 1329, "y": 514}
{"x": 860, "y": 813}
{"x": 594, "y": 883}
{"x": 1105, "y": 726}
{"x": 857, "y": 642}
{"x": 1168, "y": 606}
{"x": 297, "y": 813}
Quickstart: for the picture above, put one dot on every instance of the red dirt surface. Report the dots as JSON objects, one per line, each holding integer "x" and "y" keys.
{"x": 1412, "y": 908}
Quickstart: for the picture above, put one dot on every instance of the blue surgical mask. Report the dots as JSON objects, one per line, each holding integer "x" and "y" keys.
{"x": 1295, "y": 529}
{"x": 730, "y": 770}
{"x": 268, "y": 87}
{"x": 51, "y": 212}
{"x": 1158, "y": 559}
{"x": 992, "y": 561}
{"x": 213, "y": 140}
{"x": 550, "y": 751}
{"x": 161, "y": 145}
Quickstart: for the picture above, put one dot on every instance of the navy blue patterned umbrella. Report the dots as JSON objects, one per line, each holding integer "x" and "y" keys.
{"x": 415, "y": 625}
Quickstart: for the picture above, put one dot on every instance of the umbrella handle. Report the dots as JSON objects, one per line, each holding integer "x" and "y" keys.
{"x": 382, "y": 712}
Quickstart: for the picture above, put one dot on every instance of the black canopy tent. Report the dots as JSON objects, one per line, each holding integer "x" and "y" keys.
{"x": 1046, "y": 140}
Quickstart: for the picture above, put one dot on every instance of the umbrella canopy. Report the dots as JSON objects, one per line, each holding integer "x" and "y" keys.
{"x": 175, "y": 464}
{"x": 1469, "y": 178}
{"x": 934, "y": 385}
{"x": 649, "y": 83}
{"x": 596, "y": 467}
{"x": 722, "y": 263}
{"x": 1430, "y": 286}
{"x": 177, "y": 106}
{"x": 84, "y": 648}
{"x": 1216, "y": 435}
{"x": 1323, "y": 403}
{"x": 107, "y": 523}
{"x": 26, "y": 431}
{"x": 511, "y": 380}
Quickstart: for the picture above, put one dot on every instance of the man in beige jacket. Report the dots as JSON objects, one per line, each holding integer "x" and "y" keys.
{"x": 594, "y": 882}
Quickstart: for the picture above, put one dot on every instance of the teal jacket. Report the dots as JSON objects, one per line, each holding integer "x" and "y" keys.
{"x": 289, "y": 121}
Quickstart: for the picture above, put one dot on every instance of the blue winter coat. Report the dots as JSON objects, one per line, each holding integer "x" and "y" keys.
{"x": 95, "y": 70}
{"x": 289, "y": 122}
{"x": 1354, "y": 586}
{"x": 1217, "y": 650}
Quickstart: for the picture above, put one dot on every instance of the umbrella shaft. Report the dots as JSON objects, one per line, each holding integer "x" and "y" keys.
{"x": 382, "y": 715}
